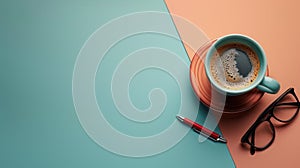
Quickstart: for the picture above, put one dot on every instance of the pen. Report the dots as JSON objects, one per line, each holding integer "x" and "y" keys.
{"x": 202, "y": 130}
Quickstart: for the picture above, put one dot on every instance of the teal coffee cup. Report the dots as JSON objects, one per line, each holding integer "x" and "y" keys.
{"x": 236, "y": 64}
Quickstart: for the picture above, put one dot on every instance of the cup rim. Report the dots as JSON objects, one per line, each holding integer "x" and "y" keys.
{"x": 260, "y": 54}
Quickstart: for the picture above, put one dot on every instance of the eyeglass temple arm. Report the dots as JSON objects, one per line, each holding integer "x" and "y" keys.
{"x": 289, "y": 103}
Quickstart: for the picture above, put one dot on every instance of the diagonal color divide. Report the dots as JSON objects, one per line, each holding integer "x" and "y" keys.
{"x": 89, "y": 59}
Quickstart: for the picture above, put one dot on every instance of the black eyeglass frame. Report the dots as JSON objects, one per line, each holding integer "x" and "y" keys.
{"x": 266, "y": 116}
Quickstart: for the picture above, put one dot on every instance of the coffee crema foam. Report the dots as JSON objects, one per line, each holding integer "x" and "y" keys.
{"x": 224, "y": 69}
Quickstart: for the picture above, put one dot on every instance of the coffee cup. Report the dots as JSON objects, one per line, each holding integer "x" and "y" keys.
{"x": 236, "y": 64}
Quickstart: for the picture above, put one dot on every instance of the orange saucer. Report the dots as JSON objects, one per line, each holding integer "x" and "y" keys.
{"x": 203, "y": 88}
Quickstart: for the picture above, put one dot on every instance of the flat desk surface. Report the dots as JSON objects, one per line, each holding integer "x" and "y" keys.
{"x": 39, "y": 44}
{"x": 276, "y": 27}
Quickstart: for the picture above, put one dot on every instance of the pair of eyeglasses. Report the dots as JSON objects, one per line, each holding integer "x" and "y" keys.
{"x": 283, "y": 110}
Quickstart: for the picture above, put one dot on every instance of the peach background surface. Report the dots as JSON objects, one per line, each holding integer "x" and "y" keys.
{"x": 275, "y": 25}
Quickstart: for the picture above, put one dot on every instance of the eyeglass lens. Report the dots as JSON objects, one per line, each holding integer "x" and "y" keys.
{"x": 264, "y": 133}
{"x": 286, "y": 108}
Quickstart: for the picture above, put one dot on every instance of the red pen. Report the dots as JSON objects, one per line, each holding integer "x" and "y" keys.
{"x": 202, "y": 130}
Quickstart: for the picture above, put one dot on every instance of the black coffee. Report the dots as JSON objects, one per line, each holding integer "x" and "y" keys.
{"x": 234, "y": 66}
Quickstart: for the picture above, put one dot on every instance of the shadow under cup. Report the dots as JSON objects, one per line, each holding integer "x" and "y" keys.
{"x": 261, "y": 82}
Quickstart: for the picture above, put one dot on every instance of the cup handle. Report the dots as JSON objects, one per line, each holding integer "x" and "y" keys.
{"x": 269, "y": 85}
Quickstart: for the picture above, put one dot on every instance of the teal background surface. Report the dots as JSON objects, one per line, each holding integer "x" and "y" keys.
{"x": 39, "y": 43}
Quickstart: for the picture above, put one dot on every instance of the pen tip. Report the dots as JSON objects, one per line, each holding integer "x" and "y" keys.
{"x": 180, "y": 118}
{"x": 221, "y": 139}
